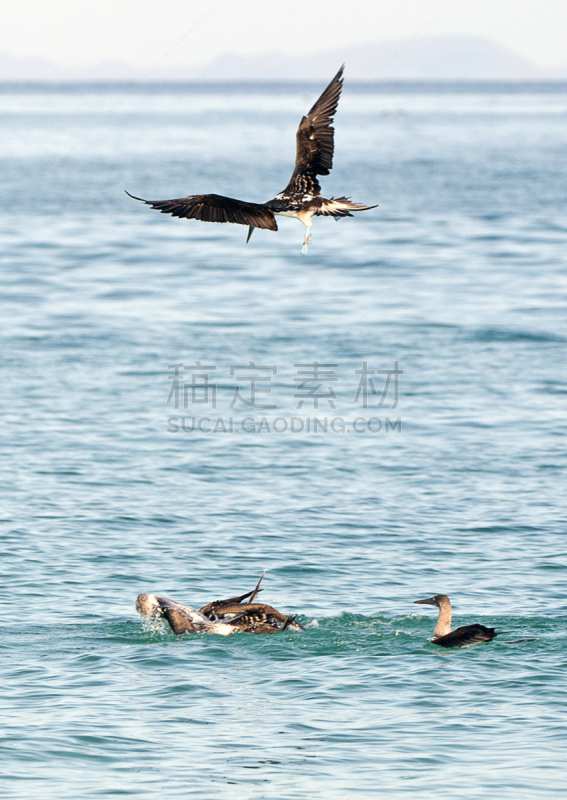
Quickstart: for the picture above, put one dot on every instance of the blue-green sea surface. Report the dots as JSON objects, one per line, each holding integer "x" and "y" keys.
{"x": 373, "y": 424}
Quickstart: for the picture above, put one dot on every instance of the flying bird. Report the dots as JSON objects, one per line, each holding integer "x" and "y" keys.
{"x": 302, "y": 196}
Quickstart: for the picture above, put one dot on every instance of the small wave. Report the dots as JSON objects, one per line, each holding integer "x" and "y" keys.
{"x": 506, "y": 335}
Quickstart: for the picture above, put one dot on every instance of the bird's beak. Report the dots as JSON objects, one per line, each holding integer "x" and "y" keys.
{"x": 250, "y": 232}
{"x": 428, "y": 602}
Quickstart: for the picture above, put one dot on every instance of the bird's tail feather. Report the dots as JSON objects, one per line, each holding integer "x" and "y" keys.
{"x": 250, "y": 232}
{"x": 256, "y": 591}
{"x": 340, "y": 207}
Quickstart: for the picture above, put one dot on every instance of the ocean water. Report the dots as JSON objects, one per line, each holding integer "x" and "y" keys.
{"x": 378, "y": 422}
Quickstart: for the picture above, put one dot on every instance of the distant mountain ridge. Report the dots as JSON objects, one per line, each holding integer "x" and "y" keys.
{"x": 441, "y": 58}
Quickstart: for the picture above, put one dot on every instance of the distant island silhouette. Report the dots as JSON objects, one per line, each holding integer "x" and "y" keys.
{"x": 436, "y": 58}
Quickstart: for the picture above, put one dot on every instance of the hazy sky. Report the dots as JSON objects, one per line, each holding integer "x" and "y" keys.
{"x": 172, "y": 32}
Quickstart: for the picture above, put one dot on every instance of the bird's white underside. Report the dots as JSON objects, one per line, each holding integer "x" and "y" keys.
{"x": 286, "y": 214}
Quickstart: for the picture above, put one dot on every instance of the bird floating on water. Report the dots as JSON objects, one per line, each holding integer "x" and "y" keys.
{"x": 302, "y": 196}
{"x": 222, "y": 617}
{"x": 465, "y": 636}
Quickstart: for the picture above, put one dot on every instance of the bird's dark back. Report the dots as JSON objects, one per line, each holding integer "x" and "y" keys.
{"x": 467, "y": 635}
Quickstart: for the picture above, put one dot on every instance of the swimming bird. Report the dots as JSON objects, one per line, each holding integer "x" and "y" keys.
{"x": 302, "y": 196}
{"x": 222, "y": 617}
{"x": 465, "y": 636}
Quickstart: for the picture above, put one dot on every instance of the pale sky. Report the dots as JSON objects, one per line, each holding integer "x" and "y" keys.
{"x": 174, "y": 32}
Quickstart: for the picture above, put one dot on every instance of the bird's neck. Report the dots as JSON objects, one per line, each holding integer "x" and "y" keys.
{"x": 443, "y": 626}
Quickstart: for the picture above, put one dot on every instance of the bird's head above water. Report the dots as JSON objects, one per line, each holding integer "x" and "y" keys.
{"x": 148, "y": 604}
{"x": 438, "y": 600}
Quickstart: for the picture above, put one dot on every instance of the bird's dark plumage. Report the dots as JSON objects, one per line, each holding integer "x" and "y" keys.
{"x": 257, "y": 618}
{"x": 465, "y": 636}
{"x": 214, "y": 610}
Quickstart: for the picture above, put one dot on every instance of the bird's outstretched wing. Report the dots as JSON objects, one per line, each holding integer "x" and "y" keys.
{"x": 215, "y": 208}
{"x": 316, "y": 141}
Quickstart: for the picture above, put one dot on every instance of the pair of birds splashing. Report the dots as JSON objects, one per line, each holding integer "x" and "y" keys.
{"x": 222, "y": 617}
{"x": 302, "y": 196}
